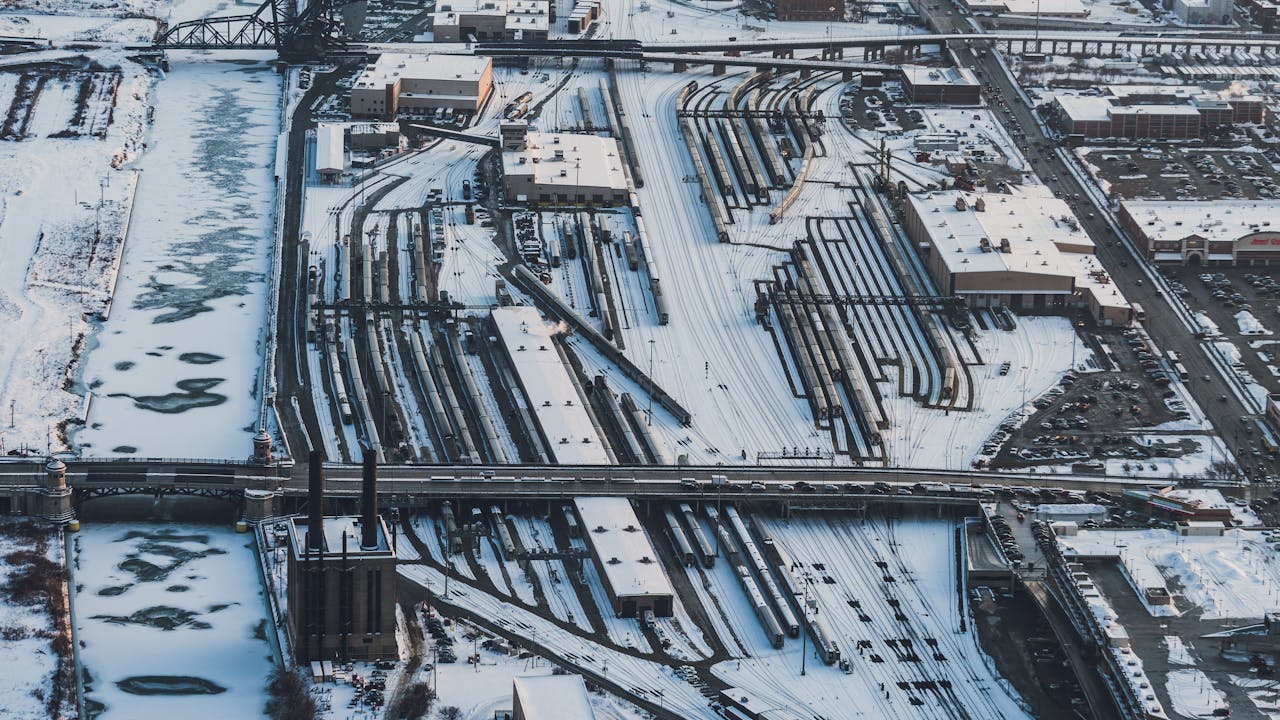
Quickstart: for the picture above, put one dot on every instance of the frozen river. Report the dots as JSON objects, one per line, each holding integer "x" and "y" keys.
{"x": 172, "y": 621}
{"x": 175, "y": 372}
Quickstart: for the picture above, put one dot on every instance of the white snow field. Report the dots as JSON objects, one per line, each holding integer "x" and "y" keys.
{"x": 176, "y": 368}
{"x": 25, "y": 654}
{"x": 172, "y": 620}
{"x": 54, "y": 272}
{"x": 1229, "y": 577}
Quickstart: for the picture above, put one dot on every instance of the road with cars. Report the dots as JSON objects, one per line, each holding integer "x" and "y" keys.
{"x": 1128, "y": 267}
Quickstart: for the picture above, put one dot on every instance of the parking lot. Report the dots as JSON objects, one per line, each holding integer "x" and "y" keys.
{"x": 1178, "y": 173}
{"x": 1090, "y": 418}
{"x": 1243, "y": 304}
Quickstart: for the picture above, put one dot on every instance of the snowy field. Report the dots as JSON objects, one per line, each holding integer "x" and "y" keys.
{"x": 26, "y": 628}
{"x": 176, "y": 369}
{"x": 54, "y": 273}
{"x": 1230, "y": 577}
{"x": 172, "y": 621}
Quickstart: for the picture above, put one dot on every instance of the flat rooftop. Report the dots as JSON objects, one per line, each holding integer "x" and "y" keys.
{"x": 1037, "y": 226}
{"x": 1211, "y": 220}
{"x": 568, "y": 160}
{"x": 553, "y": 697}
{"x": 553, "y": 398}
{"x": 335, "y": 528}
{"x": 630, "y": 563}
{"x": 390, "y": 67}
{"x": 919, "y": 75}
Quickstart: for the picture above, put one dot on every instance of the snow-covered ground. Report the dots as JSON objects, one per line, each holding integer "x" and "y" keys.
{"x": 25, "y": 654}
{"x": 53, "y": 273}
{"x": 176, "y": 369}
{"x": 172, "y": 621}
{"x": 1234, "y": 576}
{"x": 1039, "y": 350}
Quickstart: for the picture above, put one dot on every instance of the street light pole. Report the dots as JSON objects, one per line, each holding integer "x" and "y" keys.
{"x": 804, "y": 634}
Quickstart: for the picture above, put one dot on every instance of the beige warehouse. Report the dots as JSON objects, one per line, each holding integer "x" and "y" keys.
{"x": 1025, "y": 251}
{"x": 397, "y": 81}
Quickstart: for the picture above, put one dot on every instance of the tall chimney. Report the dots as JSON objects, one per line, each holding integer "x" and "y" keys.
{"x": 315, "y": 500}
{"x": 369, "y": 503}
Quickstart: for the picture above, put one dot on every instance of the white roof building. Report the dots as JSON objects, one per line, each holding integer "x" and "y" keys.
{"x": 330, "y": 150}
{"x": 1012, "y": 249}
{"x": 566, "y": 427}
{"x": 550, "y": 697}
{"x": 397, "y": 81}
{"x": 633, "y": 575}
{"x": 564, "y": 167}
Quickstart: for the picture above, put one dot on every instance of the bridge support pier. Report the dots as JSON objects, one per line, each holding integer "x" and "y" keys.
{"x": 805, "y": 73}
{"x": 54, "y": 500}
{"x": 679, "y": 67}
{"x": 717, "y": 68}
{"x": 846, "y": 75}
{"x": 260, "y": 505}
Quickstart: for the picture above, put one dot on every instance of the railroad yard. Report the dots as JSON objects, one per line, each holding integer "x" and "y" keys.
{"x": 639, "y": 360}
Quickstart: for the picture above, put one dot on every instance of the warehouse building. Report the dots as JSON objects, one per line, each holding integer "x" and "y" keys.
{"x": 481, "y": 20}
{"x": 398, "y": 82}
{"x": 625, "y": 557}
{"x": 1215, "y": 232}
{"x": 550, "y": 697}
{"x": 1203, "y": 12}
{"x": 1145, "y": 112}
{"x": 1027, "y": 252}
{"x": 1044, "y": 8}
{"x": 821, "y": 10}
{"x": 330, "y": 151}
{"x": 941, "y": 86}
{"x": 561, "y": 167}
{"x": 566, "y": 427}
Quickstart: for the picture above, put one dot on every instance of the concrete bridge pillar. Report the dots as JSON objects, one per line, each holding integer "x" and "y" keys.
{"x": 717, "y": 68}
{"x": 765, "y": 71}
{"x": 679, "y": 67}
{"x": 847, "y": 76}
{"x": 805, "y": 73}
{"x": 260, "y": 505}
{"x": 733, "y": 53}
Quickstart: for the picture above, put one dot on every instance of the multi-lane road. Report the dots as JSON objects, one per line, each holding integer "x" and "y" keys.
{"x": 1128, "y": 267}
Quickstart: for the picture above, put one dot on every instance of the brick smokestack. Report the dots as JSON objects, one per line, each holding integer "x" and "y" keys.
{"x": 315, "y": 500}
{"x": 369, "y": 502}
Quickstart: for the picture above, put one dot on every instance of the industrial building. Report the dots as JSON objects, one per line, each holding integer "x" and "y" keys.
{"x": 1027, "y": 252}
{"x": 481, "y": 20}
{"x": 1154, "y": 112}
{"x": 1044, "y": 8}
{"x": 330, "y": 151}
{"x": 821, "y": 10}
{"x": 584, "y": 15}
{"x": 941, "y": 86}
{"x": 398, "y": 82}
{"x": 374, "y": 135}
{"x": 341, "y": 578}
{"x": 550, "y": 697}
{"x": 566, "y": 427}
{"x": 1198, "y": 504}
{"x": 624, "y": 555}
{"x": 1203, "y": 12}
{"x": 561, "y": 167}
{"x": 1263, "y": 12}
{"x": 1215, "y": 232}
